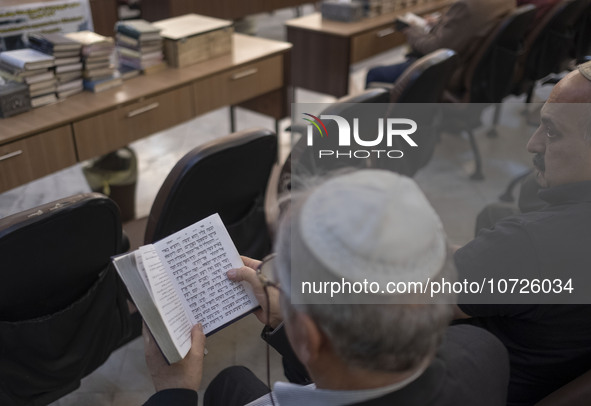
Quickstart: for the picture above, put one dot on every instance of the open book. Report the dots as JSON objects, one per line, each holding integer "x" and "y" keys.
{"x": 181, "y": 280}
{"x": 409, "y": 20}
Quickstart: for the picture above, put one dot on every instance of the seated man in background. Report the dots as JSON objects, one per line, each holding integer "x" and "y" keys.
{"x": 367, "y": 225}
{"x": 461, "y": 29}
{"x": 549, "y": 344}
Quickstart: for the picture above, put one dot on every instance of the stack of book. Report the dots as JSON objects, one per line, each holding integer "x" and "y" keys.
{"x": 97, "y": 57}
{"x": 32, "y": 68}
{"x": 139, "y": 45}
{"x": 68, "y": 66}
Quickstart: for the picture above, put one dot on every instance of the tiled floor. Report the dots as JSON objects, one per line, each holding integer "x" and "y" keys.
{"x": 123, "y": 379}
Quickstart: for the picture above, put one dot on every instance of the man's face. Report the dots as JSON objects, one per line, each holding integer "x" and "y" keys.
{"x": 562, "y": 154}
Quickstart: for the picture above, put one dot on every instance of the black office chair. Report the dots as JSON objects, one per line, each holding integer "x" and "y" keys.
{"x": 304, "y": 159}
{"x": 548, "y": 47}
{"x": 226, "y": 176}
{"x": 422, "y": 82}
{"x": 487, "y": 78}
{"x": 63, "y": 309}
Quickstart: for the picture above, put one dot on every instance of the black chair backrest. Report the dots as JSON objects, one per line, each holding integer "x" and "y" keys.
{"x": 62, "y": 306}
{"x": 583, "y": 35}
{"x": 303, "y": 158}
{"x": 422, "y": 82}
{"x": 425, "y": 80}
{"x": 53, "y": 253}
{"x": 490, "y": 71}
{"x": 551, "y": 42}
{"x": 226, "y": 176}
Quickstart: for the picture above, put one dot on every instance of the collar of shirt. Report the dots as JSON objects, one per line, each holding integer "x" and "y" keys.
{"x": 289, "y": 394}
{"x": 570, "y": 192}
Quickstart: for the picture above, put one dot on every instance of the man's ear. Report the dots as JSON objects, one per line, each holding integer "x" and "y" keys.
{"x": 306, "y": 339}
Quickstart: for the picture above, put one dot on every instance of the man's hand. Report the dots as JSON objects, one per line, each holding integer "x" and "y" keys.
{"x": 185, "y": 374}
{"x": 247, "y": 273}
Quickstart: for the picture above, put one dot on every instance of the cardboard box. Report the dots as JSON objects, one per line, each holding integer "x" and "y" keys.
{"x": 193, "y": 38}
{"x": 14, "y": 99}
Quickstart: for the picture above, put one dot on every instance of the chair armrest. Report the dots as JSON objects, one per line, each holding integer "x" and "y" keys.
{"x": 449, "y": 97}
{"x": 380, "y": 85}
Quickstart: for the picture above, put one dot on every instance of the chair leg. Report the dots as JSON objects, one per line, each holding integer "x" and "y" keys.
{"x": 530, "y": 92}
{"x": 232, "y": 118}
{"x": 492, "y": 133}
{"x": 477, "y": 174}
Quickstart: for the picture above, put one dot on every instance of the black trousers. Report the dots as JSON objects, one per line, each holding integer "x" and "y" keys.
{"x": 234, "y": 386}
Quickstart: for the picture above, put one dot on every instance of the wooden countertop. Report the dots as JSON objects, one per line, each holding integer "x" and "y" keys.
{"x": 315, "y": 22}
{"x": 245, "y": 49}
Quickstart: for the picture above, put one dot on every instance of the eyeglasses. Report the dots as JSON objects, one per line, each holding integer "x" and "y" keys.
{"x": 266, "y": 274}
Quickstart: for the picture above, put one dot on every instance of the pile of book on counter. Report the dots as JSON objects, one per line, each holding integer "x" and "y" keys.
{"x": 66, "y": 54}
{"x": 32, "y": 68}
{"x": 99, "y": 71}
{"x": 139, "y": 46}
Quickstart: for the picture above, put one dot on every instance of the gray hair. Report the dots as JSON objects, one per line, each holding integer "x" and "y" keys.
{"x": 378, "y": 337}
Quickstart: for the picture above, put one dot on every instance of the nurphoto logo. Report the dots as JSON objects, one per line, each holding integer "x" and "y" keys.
{"x": 381, "y": 144}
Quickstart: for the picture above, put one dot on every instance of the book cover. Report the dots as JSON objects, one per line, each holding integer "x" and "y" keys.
{"x": 68, "y": 76}
{"x": 68, "y": 93}
{"x": 410, "y": 20}
{"x": 87, "y": 38}
{"x": 180, "y": 281}
{"x": 176, "y": 28}
{"x": 132, "y": 43}
{"x": 128, "y": 72}
{"x": 69, "y": 68}
{"x": 75, "y": 84}
{"x": 102, "y": 84}
{"x": 47, "y": 75}
{"x": 139, "y": 63}
{"x": 95, "y": 73}
{"x": 43, "y": 100}
{"x": 53, "y": 42}
{"x": 67, "y": 61}
{"x": 138, "y": 29}
{"x": 27, "y": 59}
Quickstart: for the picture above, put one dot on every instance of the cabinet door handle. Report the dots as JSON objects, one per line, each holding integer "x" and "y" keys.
{"x": 11, "y": 155}
{"x": 385, "y": 32}
{"x": 143, "y": 110}
{"x": 244, "y": 74}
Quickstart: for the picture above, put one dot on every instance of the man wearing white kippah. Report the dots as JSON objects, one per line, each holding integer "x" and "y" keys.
{"x": 367, "y": 348}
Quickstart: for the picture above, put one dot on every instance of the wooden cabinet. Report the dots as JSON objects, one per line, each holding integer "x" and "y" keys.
{"x": 33, "y": 144}
{"x": 373, "y": 42}
{"x": 237, "y": 85}
{"x": 114, "y": 129}
{"x": 33, "y": 157}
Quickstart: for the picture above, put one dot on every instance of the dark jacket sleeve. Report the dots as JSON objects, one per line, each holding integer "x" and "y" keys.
{"x": 173, "y": 397}
{"x": 294, "y": 370}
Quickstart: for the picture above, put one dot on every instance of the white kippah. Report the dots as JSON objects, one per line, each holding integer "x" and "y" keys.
{"x": 585, "y": 69}
{"x": 375, "y": 225}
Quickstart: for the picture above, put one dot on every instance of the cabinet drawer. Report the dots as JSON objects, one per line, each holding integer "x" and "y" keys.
{"x": 36, "y": 156}
{"x": 239, "y": 84}
{"x": 117, "y": 128}
{"x": 375, "y": 41}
